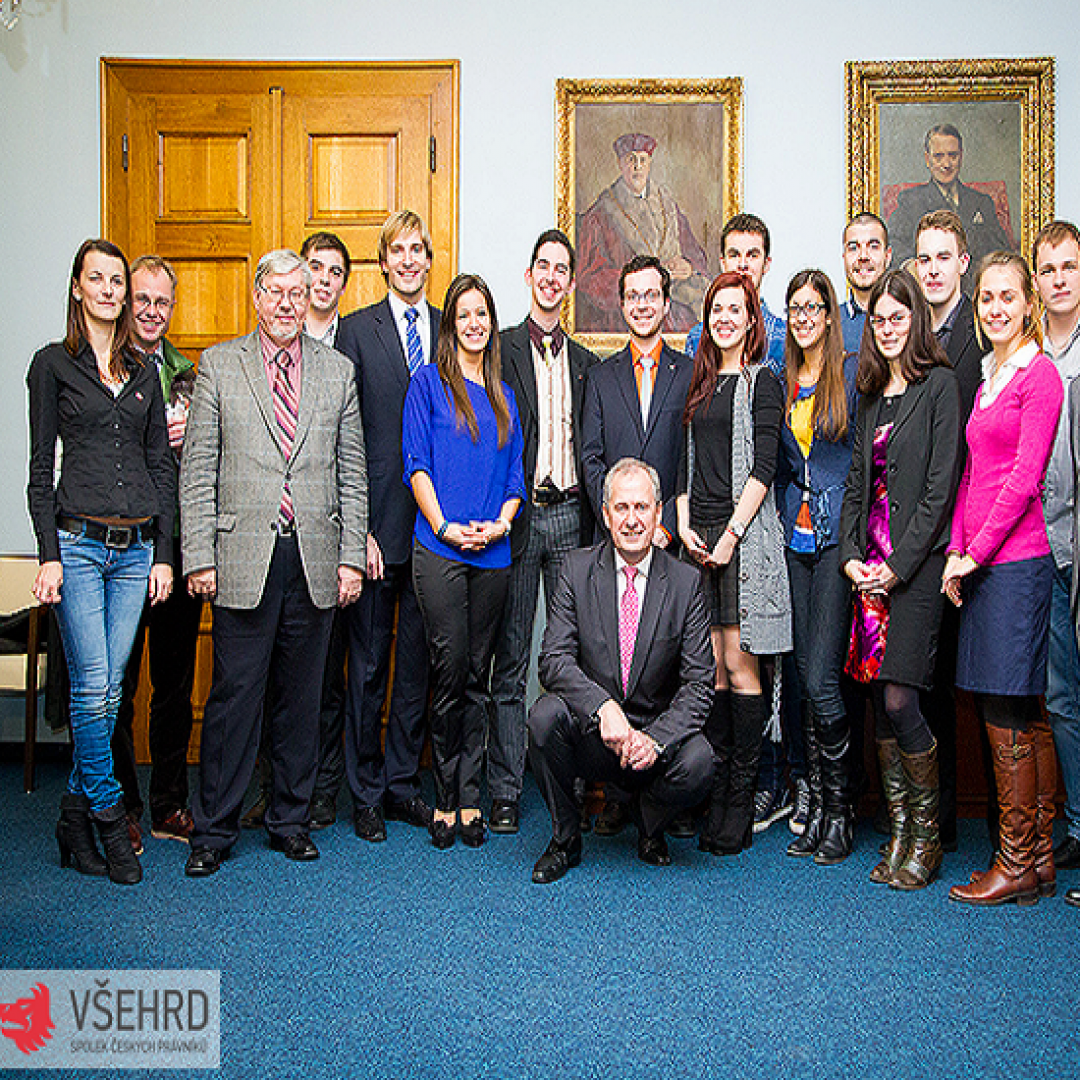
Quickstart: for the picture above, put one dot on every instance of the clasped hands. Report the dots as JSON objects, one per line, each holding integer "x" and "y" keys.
{"x": 716, "y": 558}
{"x": 634, "y": 748}
{"x": 870, "y": 579}
{"x": 476, "y": 535}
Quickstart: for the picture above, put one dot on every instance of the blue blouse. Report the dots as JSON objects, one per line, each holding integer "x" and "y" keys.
{"x": 472, "y": 480}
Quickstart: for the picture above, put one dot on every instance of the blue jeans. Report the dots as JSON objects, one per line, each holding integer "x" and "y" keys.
{"x": 1063, "y": 695}
{"x": 101, "y": 601}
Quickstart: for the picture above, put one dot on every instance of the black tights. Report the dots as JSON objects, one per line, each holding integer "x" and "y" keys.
{"x": 1007, "y": 711}
{"x": 898, "y": 716}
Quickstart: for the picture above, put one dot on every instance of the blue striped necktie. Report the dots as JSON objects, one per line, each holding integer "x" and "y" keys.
{"x": 412, "y": 340}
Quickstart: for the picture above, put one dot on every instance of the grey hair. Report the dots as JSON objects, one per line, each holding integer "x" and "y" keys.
{"x": 282, "y": 261}
{"x": 629, "y": 464}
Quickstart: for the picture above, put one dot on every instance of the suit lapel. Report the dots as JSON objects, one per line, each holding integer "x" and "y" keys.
{"x": 520, "y": 359}
{"x": 386, "y": 331}
{"x": 607, "y": 603}
{"x": 656, "y": 596}
{"x": 665, "y": 378}
{"x": 254, "y": 369}
{"x": 908, "y": 402}
{"x": 624, "y": 378}
{"x": 311, "y": 385}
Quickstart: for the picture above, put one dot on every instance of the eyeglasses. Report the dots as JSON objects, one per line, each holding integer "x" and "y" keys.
{"x": 161, "y": 305}
{"x": 650, "y": 297}
{"x": 895, "y": 320}
{"x": 278, "y": 296}
{"x": 805, "y": 311}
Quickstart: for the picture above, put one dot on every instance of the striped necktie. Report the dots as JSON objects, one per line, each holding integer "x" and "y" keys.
{"x": 412, "y": 340}
{"x": 286, "y": 411}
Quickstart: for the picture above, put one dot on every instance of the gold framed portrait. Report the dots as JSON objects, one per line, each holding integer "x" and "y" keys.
{"x": 645, "y": 166}
{"x": 973, "y": 136}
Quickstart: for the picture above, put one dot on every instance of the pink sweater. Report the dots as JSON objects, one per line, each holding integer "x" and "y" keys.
{"x": 998, "y": 516}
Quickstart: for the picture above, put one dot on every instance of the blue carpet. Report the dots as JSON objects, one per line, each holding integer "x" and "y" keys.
{"x": 398, "y": 961}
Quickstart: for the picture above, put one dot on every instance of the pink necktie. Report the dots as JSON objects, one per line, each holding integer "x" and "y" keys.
{"x": 628, "y": 624}
{"x": 286, "y": 410}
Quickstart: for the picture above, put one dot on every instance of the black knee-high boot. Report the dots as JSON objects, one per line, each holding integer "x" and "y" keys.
{"x": 748, "y": 715}
{"x": 838, "y": 825}
{"x": 807, "y": 843}
{"x": 718, "y": 732}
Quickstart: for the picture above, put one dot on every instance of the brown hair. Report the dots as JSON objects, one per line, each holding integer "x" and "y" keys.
{"x": 1031, "y": 330}
{"x": 155, "y": 264}
{"x": 1053, "y": 233}
{"x": 121, "y": 355}
{"x": 922, "y": 350}
{"x": 450, "y": 371}
{"x": 397, "y": 224}
{"x": 830, "y": 417}
{"x": 707, "y": 360}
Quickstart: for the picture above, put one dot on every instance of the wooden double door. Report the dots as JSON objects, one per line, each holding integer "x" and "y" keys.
{"x": 211, "y": 165}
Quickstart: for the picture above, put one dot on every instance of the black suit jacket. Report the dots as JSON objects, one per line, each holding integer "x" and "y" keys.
{"x": 923, "y": 463}
{"x": 611, "y": 426}
{"x": 519, "y": 373}
{"x": 672, "y": 672}
{"x": 369, "y": 338}
{"x": 965, "y": 354}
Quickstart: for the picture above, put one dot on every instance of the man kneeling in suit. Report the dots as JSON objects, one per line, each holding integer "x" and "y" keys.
{"x": 629, "y": 672}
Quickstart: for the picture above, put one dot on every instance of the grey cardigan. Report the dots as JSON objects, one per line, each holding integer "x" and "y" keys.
{"x": 764, "y": 593}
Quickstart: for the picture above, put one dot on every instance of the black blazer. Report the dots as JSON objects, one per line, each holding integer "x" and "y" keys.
{"x": 611, "y": 426}
{"x": 672, "y": 672}
{"x": 923, "y": 461}
{"x": 965, "y": 354}
{"x": 519, "y": 373}
{"x": 369, "y": 338}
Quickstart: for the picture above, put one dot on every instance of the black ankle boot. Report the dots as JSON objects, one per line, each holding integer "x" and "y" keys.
{"x": 120, "y": 860}
{"x": 75, "y": 835}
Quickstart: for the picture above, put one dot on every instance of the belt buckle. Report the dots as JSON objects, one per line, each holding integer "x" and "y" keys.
{"x": 118, "y": 537}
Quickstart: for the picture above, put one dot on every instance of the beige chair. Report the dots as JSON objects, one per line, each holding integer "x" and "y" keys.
{"x": 23, "y": 670}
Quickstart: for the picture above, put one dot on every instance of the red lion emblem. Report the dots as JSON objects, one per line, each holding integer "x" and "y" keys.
{"x": 30, "y": 1015}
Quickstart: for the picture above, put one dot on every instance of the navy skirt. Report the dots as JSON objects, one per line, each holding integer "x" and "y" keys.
{"x": 1005, "y": 628}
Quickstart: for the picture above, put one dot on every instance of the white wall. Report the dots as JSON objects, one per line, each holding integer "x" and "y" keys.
{"x": 789, "y": 53}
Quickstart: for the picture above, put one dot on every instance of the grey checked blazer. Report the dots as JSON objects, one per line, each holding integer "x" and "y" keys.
{"x": 232, "y": 471}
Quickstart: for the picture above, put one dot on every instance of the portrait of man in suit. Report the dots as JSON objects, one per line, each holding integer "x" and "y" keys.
{"x": 273, "y": 498}
{"x": 986, "y": 227}
{"x": 629, "y": 671}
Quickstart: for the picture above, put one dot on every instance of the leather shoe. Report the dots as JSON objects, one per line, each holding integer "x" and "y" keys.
{"x": 175, "y": 826}
{"x": 555, "y": 862}
{"x": 653, "y": 850}
{"x": 414, "y": 812}
{"x": 472, "y": 832}
{"x": 443, "y": 833}
{"x": 323, "y": 811}
{"x": 504, "y": 816}
{"x": 204, "y": 861}
{"x": 1072, "y": 896}
{"x": 681, "y": 826}
{"x": 135, "y": 833}
{"x": 613, "y": 818}
{"x": 369, "y": 824}
{"x": 299, "y": 847}
{"x": 1067, "y": 854}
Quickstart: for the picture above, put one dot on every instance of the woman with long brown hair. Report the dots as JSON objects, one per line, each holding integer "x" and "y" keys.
{"x": 815, "y": 456}
{"x": 1001, "y": 571}
{"x": 462, "y": 446}
{"x": 104, "y": 532}
{"x": 893, "y": 529}
{"x": 729, "y": 526}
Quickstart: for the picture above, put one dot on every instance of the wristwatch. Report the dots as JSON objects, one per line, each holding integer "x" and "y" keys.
{"x": 737, "y": 528}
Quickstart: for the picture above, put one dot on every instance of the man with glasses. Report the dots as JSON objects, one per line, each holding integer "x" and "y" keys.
{"x": 170, "y": 629}
{"x": 273, "y": 496}
{"x": 634, "y": 409}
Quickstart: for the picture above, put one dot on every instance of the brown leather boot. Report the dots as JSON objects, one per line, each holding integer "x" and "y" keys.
{"x": 894, "y": 790}
{"x": 923, "y": 858}
{"x": 1045, "y": 794}
{"x": 1012, "y": 875}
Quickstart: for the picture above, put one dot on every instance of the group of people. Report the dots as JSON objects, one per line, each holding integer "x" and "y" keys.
{"x": 761, "y": 534}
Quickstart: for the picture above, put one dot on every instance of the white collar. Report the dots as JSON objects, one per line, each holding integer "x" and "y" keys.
{"x": 642, "y": 567}
{"x": 398, "y": 307}
{"x": 993, "y": 383}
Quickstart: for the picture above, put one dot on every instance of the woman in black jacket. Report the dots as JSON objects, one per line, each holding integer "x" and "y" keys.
{"x": 897, "y": 502}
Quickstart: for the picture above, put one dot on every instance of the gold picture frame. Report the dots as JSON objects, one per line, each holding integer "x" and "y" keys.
{"x": 687, "y": 137}
{"x": 1002, "y": 112}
